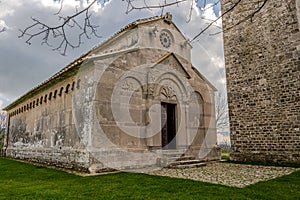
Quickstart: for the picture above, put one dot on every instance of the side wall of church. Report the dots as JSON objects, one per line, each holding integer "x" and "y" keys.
{"x": 42, "y": 128}
{"x": 262, "y": 59}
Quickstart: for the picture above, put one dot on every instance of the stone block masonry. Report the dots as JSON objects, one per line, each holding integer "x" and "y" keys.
{"x": 262, "y": 59}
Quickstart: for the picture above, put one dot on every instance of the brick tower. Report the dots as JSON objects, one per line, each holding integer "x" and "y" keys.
{"x": 262, "y": 59}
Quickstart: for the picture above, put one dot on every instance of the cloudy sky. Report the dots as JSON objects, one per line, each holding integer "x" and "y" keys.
{"x": 23, "y": 66}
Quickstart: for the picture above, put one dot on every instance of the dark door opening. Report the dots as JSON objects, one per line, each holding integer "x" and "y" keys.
{"x": 168, "y": 119}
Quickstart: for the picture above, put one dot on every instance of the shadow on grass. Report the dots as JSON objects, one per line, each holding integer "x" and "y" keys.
{"x": 225, "y": 156}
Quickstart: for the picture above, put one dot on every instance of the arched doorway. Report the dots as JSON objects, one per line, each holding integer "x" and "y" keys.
{"x": 168, "y": 131}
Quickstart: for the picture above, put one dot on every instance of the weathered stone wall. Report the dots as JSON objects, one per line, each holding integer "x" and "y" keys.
{"x": 42, "y": 128}
{"x": 262, "y": 59}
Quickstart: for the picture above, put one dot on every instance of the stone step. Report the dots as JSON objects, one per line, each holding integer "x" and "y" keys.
{"x": 186, "y": 158}
{"x": 185, "y": 166}
{"x": 185, "y": 162}
{"x": 177, "y": 151}
{"x": 174, "y": 158}
{"x": 172, "y": 153}
{"x": 177, "y": 159}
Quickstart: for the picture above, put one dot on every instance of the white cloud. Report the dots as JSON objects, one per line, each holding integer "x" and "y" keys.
{"x": 3, "y": 24}
{"x": 23, "y": 66}
{"x": 57, "y": 4}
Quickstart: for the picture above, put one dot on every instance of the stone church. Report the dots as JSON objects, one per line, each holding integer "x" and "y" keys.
{"x": 133, "y": 101}
{"x": 262, "y": 60}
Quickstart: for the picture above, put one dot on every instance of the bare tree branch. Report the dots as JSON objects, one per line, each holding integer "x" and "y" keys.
{"x": 259, "y": 6}
{"x": 60, "y": 8}
{"x": 221, "y": 109}
{"x": 256, "y": 8}
{"x": 190, "y": 12}
{"x": 58, "y": 32}
{"x": 132, "y": 6}
{"x": 214, "y": 21}
{"x": 87, "y": 29}
{"x": 211, "y": 6}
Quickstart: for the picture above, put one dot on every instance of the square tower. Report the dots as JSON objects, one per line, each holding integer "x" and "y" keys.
{"x": 262, "y": 59}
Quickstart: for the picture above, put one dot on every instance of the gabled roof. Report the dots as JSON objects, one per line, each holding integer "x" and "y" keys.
{"x": 167, "y": 18}
{"x": 167, "y": 55}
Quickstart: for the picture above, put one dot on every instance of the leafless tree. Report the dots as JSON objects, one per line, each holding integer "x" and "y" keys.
{"x": 59, "y": 32}
{"x": 3, "y": 118}
{"x": 224, "y": 144}
{"x": 87, "y": 29}
{"x": 221, "y": 107}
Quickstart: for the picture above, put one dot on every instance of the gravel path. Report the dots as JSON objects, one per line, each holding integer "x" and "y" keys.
{"x": 238, "y": 175}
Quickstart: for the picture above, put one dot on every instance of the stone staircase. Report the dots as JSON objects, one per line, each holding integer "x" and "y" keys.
{"x": 178, "y": 159}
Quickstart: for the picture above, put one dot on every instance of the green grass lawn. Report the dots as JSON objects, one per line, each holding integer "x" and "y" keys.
{"x": 24, "y": 181}
{"x": 225, "y": 155}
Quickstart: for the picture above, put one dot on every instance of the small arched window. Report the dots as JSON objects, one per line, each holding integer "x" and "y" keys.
{"x": 45, "y": 98}
{"x": 67, "y": 88}
{"x": 50, "y": 96}
{"x": 61, "y": 91}
{"x": 33, "y": 104}
{"x": 37, "y": 102}
{"x": 73, "y": 86}
{"x": 30, "y": 105}
{"x": 78, "y": 84}
{"x": 55, "y": 93}
{"x": 41, "y": 100}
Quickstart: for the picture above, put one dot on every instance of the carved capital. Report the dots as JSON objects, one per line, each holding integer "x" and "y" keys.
{"x": 168, "y": 92}
{"x": 127, "y": 85}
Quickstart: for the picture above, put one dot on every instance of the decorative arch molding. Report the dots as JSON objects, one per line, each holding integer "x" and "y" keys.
{"x": 197, "y": 103}
{"x": 168, "y": 89}
{"x": 198, "y": 96}
{"x": 131, "y": 83}
{"x": 170, "y": 79}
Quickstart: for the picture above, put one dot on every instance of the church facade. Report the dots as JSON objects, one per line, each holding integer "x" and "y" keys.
{"x": 127, "y": 103}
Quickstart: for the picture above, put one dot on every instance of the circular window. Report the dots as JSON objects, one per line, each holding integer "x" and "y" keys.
{"x": 165, "y": 39}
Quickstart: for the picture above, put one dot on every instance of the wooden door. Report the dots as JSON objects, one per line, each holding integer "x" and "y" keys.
{"x": 168, "y": 132}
